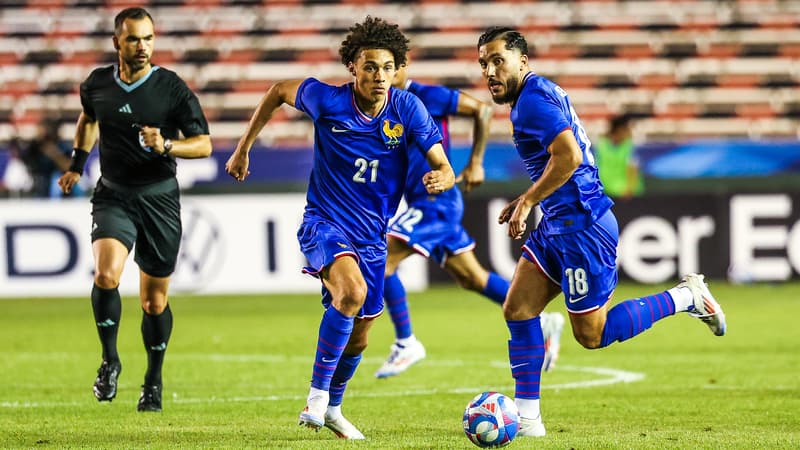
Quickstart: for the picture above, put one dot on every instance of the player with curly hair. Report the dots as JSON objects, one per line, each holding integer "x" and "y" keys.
{"x": 364, "y": 133}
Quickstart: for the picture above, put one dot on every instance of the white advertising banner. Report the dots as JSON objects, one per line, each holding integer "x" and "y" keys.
{"x": 744, "y": 237}
{"x": 231, "y": 244}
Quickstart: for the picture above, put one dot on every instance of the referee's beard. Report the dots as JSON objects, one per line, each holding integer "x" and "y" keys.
{"x": 136, "y": 64}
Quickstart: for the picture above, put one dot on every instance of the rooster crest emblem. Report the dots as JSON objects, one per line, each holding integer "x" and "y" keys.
{"x": 392, "y": 133}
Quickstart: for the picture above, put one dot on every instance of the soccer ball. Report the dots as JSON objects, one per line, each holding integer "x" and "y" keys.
{"x": 491, "y": 420}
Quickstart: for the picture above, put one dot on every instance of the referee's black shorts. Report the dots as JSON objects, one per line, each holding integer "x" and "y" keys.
{"x": 148, "y": 216}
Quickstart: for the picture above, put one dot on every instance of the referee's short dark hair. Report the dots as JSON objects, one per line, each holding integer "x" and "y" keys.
{"x": 130, "y": 13}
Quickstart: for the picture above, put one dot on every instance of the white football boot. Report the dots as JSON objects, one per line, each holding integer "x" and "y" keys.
{"x": 313, "y": 415}
{"x": 401, "y": 358}
{"x": 531, "y": 427}
{"x": 552, "y": 327}
{"x": 342, "y": 427}
{"x": 705, "y": 307}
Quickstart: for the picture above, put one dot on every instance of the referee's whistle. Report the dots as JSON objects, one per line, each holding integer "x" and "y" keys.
{"x": 141, "y": 137}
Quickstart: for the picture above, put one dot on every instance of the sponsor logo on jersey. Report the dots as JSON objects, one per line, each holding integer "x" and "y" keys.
{"x": 126, "y": 108}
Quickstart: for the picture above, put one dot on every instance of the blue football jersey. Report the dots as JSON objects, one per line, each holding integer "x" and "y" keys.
{"x": 360, "y": 162}
{"x": 542, "y": 111}
{"x": 440, "y": 102}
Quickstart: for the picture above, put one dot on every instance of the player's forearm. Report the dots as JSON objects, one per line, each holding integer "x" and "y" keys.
{"x": 549, "y": 182}
{"x": 563, "y": 162}
{"x": 481, "y": 114}
{"x": 278, "y": 94}
{"x": 86, "y": 132}
{"x": 480, "y": 133}
{"x": 263, "y": 113}
{"x": 192, "y": 148}
{"x": 449, "y": 176}
{"x": 438, "y": 162}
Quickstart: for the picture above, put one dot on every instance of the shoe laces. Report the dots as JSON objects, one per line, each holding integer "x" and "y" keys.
{"x": 150, "y": 392}
{"x": 105, "y": 371}
{"x": 396, "y": 350}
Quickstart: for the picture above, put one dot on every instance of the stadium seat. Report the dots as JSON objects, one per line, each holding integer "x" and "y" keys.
{"x": 674, "y": 65}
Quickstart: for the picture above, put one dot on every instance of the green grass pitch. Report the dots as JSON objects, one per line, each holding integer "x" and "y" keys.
{"x": 238, "y": 367}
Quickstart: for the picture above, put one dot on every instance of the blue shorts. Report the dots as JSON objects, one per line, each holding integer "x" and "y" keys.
{"x": 322, "y": 242}
{"x": 433, "y": 230}
{"x": 583, "y": 263}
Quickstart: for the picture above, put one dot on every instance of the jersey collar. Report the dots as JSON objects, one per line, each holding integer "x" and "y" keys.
{"x": 364, "y": 116}
{"x": 525, "y": 79}
{"x": 130, "y": 87}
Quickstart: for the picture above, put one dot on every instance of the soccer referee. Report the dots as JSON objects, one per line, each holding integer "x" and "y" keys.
{"x": 145, "y": 116}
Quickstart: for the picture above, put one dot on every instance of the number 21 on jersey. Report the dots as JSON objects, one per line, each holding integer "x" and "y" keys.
{"x": 366, "y": 171}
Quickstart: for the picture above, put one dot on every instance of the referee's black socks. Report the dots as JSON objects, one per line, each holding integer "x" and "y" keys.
{"x": 156, "y": 330}
{"x": 107, "y": 309}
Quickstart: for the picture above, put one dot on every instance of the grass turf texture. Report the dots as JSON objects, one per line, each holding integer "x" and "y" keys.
{"x": 237, "y": 372}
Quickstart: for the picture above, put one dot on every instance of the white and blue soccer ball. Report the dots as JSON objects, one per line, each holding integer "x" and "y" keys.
{"x": 491, "y": 420}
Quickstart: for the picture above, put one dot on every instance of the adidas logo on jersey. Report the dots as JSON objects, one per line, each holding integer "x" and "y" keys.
{"x": 126, "y": 108}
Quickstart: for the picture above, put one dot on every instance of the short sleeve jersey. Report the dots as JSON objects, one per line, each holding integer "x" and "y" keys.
{"x": 541, "y": 112}
{"x": 159, "y": 99}
{"x": 360, "y": 162}
{"x": 441, "y": 102}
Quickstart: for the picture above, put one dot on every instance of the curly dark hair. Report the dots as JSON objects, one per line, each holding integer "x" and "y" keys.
{"x": 512, "y": 37}
{"x": 374, "y": 33}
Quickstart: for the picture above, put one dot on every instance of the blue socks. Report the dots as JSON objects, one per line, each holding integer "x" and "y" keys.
{"x": 526, "y": 356}
{"x": 631, "y": 317}
{"x": 496, "y": 288}
{"x": 334, "y": 332}
{"x": 344, "y": 371}
{"x": 394, "y": 294}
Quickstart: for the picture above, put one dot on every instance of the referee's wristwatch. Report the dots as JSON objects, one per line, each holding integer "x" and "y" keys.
{"x": 167, "y": 146}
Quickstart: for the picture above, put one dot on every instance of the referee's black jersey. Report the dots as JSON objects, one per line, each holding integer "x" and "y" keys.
{"x": 159, "y": 99}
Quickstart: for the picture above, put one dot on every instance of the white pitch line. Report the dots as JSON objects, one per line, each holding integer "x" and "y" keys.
{"x": 778, "y": 388}
{"x": 609, "y": 376}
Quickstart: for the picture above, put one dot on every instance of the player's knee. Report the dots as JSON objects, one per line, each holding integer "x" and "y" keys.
{"x": 516, "y": 311}
{"x": 106, "y": 279}
{"x": 154, "y": 305}
{"x": 353, "y": 296}
{"x": 588, "y": 339}
{"x": 358, "y": 293}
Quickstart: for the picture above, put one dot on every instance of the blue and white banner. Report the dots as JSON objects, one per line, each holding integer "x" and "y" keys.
{"x": 231, "y": 244}
{"x": 742, "y": 237}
